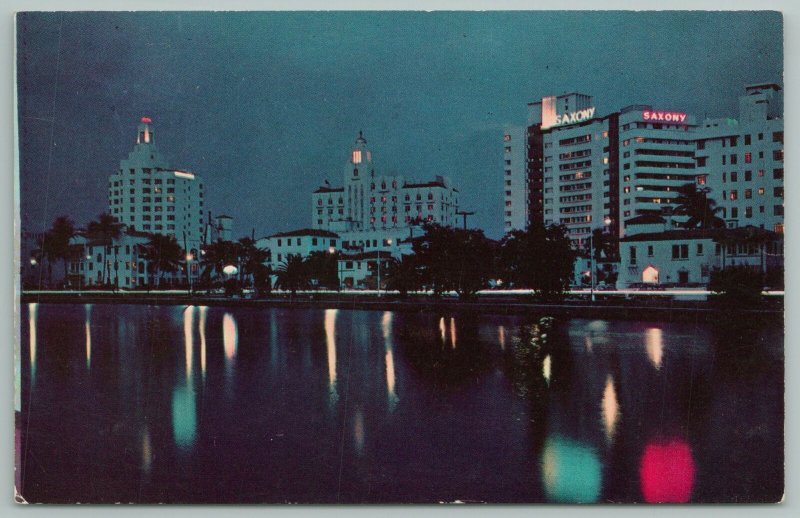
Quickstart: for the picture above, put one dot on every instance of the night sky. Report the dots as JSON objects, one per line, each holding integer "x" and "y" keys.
{"x": 266, "y": 106}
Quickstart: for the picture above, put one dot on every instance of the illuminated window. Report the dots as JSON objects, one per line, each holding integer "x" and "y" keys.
{"x": 761, "y": 191}
{"x": 356, "y": 156}
{"x": 748, "y": 158}
{"x": 734, "y": 195}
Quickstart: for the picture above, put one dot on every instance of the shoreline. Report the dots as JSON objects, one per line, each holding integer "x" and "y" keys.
{"x": 661, "y": 310}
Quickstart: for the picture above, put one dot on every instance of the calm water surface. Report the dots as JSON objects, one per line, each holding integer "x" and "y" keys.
{"x": 205, "y": 404}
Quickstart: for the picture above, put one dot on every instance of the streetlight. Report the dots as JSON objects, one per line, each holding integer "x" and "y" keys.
{"x": 189, "y": 258}
{"x": 332, "y": 250}
{"x": 33, "y": 261}
{"x": 389, "y": 243}
{"x": 606, "y": 222}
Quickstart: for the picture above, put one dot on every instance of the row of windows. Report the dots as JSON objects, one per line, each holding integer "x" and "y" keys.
{"x": 777, "y": 136}
{"x": 733, "y": 158}
{"x": 748, "y": 193}
{"x": 777, "y": 210}
{"x": 299, "y": 241}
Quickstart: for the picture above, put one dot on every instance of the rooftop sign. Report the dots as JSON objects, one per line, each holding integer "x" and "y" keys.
{"x": 655, "y": 116}
{"x": 574, "y": 117}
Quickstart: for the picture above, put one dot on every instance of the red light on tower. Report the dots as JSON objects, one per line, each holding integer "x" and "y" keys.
{"x": 146, "y": 120}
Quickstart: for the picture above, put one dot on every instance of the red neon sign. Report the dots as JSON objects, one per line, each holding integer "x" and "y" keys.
{"x": 649, "y": 115}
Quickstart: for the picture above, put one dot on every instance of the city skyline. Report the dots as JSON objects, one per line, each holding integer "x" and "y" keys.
{"x": 272, "y": 109}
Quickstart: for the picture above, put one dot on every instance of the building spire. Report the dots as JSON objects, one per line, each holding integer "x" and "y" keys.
{"x": 361, "y": 139}
{"x": 145, "y": 134}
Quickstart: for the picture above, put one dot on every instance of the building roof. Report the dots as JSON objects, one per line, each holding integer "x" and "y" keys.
{"x": 224, "y": 216}
{"x": 741, "y": 234}
{"x": 434, "y": 183}
{"x": 328, "y": 189}
{"x": 313, "y": 232}
{"x": 645, "y": 219}
{"x": 360, "y": 256}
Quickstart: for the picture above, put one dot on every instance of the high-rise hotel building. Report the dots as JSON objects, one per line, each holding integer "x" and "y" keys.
{"x": 740, "y": 162}
{"x": 148, "y": 195}
{"x": 570, "y": 166}
{"x": 369, "y": 201}
{"x": 587, "y": 171}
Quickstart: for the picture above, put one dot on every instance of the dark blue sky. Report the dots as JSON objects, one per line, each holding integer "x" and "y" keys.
{"x": 266, "y": 106}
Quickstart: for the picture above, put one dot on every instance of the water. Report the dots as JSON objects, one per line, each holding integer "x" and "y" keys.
{"x": 204, "y": 404}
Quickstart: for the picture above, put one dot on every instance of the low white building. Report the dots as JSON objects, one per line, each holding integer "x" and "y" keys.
{"x": 359, "y": 251}
{"x": 687, "y": 257}
{"x": 365, "y": 270}
{"x": 301, "y": 242}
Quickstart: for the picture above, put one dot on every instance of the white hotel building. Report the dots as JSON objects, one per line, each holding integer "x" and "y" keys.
{"x": 572, "y": 167}
{"x": 369, "y": 201}
{"x": 148, "y": 195}
{"x": 741, "y": 161}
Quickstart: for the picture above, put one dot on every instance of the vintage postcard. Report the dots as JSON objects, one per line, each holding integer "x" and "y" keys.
{"x": 400, "y": 257}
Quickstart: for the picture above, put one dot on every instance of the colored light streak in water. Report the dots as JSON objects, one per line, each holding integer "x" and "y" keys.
{"x": 442, "y": 330}
{"x": 654, "y": 345}
{"x": 32, "y": 310}
{"x": 571, "y": 471}
{"x": 184, "y": 416}
{"x": 147, "y": 451}
{"x": 203, "y": 316}
{"x": 501, "y": 337}
{"x": 452, "y": 332}
{"x": 610, "y": 409}
{"x": 330, "y": 344}
{"x": 88, "y": 329}
{"x": 386, "y": 325}
{"x": 358, "y": 431}
{"x": 188, "y": 338}
{"x": 667, "y": 472}
{"x": 546, "y": 368}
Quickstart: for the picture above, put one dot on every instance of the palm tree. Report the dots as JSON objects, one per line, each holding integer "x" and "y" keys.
{"x": 106, "y": 229}
{"x": 215, "y": 256}
{"x": 250, "y": 257}
{"x": 403, "y": 275}
{"x": 701, "y": 210}
{"x": 292, "y": 274}
{"x": 163, "y": 254}
{"x": 55, "y": 244}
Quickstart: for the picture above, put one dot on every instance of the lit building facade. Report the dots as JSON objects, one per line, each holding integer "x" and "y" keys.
{"x": 515, "y": 179}
{"x": 148, "y": 195}
{"x": 587, "y": 172}
{"x": 688, "y": 257}
{"x": 740, "y": 162}
{"x": 372, "y": 201}
{"x": 572, "y": 167}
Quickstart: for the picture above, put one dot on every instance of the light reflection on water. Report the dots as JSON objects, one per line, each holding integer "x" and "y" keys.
{"x": 88, "y": 329}
{"x": 330, "y": 345}
{"x": 202, "y": 324}
{"x": 386, "y": 326}
{"x": 593, "y": 419}
{"x": 610, "y": 409}
{"x": 654, "y": 344}
{"x": 33, "y": 308}
{"x": 571, "y": 471}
